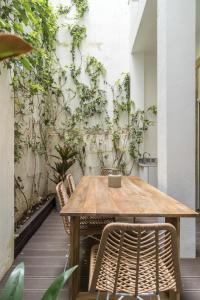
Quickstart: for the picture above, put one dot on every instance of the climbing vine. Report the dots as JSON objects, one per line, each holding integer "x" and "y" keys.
{"x": 70, "y": 102}
{"x": 81, "y": 7}
{"x": 95, "y": 70}
{"x": 78, "y": 34}
{"x": 37, "y": 91}
{"x": 126, "y": 128}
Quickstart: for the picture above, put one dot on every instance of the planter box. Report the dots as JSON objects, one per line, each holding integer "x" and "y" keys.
{"x": 26, "y": 231}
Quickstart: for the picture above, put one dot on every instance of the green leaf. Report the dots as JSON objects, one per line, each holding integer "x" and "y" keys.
{"x": 12, "y": 45}
{"x": 14, "y": 287}
{"x": 2, "y": 23}
{"x": 18, "y": 27}
{"x": 26, "y": 63}
{"x": 54, "y": 289}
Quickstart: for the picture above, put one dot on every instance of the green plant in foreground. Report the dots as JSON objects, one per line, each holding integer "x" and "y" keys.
{"x": 14, "y": 286}
{"x": 54, "y": 289}
{"x": 12, "y": 45}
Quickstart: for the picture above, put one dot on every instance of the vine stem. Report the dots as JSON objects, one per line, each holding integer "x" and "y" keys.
{"x": 21, "y": 191}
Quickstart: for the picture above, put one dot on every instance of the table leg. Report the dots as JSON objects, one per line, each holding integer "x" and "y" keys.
{"x": 74, "y": 256}
{"x": 176, "y": 223}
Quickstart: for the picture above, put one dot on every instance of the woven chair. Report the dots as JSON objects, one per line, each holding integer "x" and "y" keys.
{"x": 71, "y": 183}
{"x": 94, "y": 221}
{"x": 89, "y": 226}
{"x": 63, "y": 199}
{"x": 135, "y": 260}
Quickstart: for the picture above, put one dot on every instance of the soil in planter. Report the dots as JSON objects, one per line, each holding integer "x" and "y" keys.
{"x": 28, "y": 214}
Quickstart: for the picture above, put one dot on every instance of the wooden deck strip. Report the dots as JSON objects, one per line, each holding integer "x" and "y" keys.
{"x": 44, "y": 257}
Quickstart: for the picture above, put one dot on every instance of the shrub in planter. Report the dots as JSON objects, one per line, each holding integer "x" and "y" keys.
{"x": 63, "y": 162}
{"x": 64, "y": 159}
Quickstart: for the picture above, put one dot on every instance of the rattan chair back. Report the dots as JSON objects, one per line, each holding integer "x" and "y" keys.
{"x": 71, "y": 183}
{"x": 136, "y": 259}
{"x": 88, "y": 225}
{"x": 63, "y": 198}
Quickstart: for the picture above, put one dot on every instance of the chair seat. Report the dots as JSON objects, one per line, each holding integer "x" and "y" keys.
{"x": 90, "y": 225}
{"x": 127, "y": 272}
{"x": 93, "y": 225}
{"x": 93, "y": 222}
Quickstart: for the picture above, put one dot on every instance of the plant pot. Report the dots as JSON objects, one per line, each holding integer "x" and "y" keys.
{"x": 26, "y": 231}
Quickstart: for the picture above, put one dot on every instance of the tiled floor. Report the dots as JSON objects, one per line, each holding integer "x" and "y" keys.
{"x": 44, "y": 258}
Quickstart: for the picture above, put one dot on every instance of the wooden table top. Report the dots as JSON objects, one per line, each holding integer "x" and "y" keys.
{"x": 93, "y": 197}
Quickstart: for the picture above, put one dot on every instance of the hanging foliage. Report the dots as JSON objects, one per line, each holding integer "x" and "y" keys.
{"x": 51, "y": 99}
{"x": 81, "y": 7}
{"x": 36, "y": 81}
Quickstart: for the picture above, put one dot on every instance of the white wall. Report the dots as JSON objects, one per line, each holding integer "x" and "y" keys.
{"x": 137, "y": 69}
{"x": 143, "y": 70}
{"x": 143, "y": 63}
{"x": 32, "y": 170}
{"x": 176, "y": 108}
{"x": 150, "y": 98}
{"x": 6, "y": 174}
{"x": 107, "y": 39}
{"x": 197, "y": 28}
{"x": 136, "y": 13}
{"x": 107, "y": 24}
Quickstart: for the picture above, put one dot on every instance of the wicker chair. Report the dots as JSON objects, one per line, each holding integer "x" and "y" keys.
{"x": 89, "y": 226}
{"x": 63, "y": 198}
{"x": 71, "y": 183}
{"x": 98, "y": 221}
{"x": 135, "y": 260}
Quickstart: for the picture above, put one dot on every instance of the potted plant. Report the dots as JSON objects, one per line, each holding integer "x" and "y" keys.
{"x": 64, "y": 159}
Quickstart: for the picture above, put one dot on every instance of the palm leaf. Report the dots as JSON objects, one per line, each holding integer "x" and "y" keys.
{"x": 71, "y": 154}
{"x": 14, "y": 287}
{"x": 54, "y": 289}
{"x": 62, "y": 167}
{"x": 12, "y": 45}
{"x": 65, "y": 152}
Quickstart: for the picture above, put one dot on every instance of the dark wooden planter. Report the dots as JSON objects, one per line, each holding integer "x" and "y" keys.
{"x": 26, "y": 231}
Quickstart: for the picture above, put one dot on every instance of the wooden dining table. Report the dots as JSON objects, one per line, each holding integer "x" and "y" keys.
{"x": 135, "y": 198}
